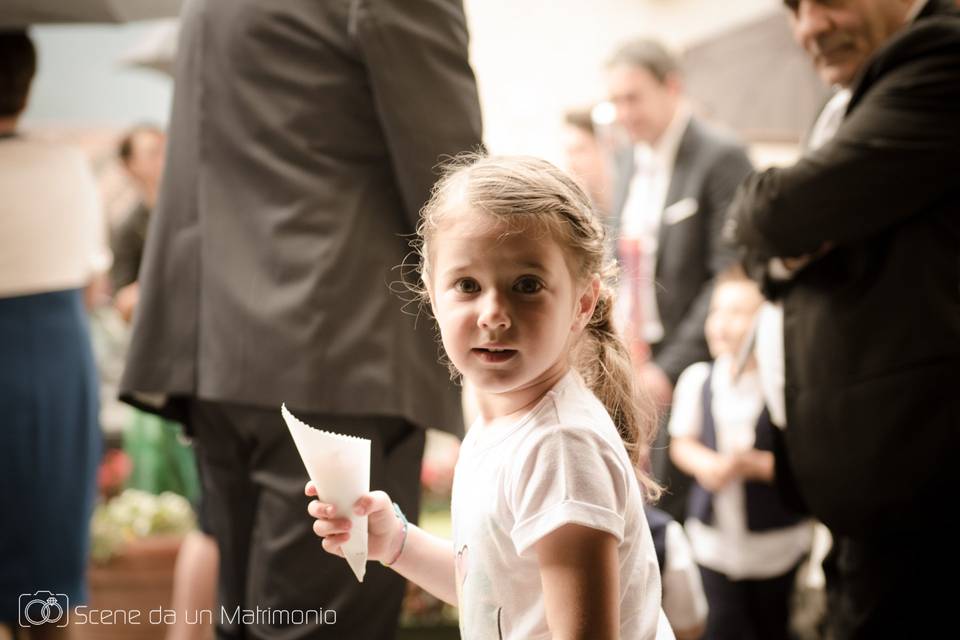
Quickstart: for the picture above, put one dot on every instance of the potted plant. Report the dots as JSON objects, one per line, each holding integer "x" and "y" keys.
{"x": 134, "y": 543}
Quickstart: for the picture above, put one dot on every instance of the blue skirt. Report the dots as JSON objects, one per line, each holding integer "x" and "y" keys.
{"x": 51, "y": 443}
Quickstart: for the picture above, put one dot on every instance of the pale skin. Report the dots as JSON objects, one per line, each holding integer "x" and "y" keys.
{"x": 732, "y": 309}
{"x": 519, "y": 295}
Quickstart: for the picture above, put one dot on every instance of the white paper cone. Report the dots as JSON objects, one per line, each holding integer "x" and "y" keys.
{"x": 339, "y": 466}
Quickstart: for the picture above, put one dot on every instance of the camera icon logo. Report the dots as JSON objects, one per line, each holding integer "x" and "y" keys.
{"x": 44, "y": 607}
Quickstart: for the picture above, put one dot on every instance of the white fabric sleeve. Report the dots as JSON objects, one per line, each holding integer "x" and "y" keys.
{"x": 684, "y": 601}
{"x": 686, "y": 414}
{"x": 566, "y": 476}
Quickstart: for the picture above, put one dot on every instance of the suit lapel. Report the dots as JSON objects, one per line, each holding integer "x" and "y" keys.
{"x": 678, "y": 182}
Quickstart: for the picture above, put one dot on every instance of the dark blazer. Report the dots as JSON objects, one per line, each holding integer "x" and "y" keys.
{"x": 303, "y": 143}
{"x": 872, "y": 328}
{"x": 126, "y": 242}
{"x": 707, "y": 171}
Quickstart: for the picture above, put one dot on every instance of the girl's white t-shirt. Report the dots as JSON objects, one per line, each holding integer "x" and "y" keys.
{"x": 562, "y": 463}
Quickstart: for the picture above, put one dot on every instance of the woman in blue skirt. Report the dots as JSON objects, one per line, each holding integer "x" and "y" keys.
{"x": 52, "y": 245}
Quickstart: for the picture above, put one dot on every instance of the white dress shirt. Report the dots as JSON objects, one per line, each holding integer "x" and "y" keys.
{"x": 640, "y": 229}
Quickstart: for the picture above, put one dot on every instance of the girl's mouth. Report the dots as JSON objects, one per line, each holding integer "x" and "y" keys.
{"x": 494, "y": 355}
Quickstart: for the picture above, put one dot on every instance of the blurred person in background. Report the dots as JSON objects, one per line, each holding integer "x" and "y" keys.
{"x": 747, "y": 542}
{"x": 672, "y": 187}
{"x": 860, "y": 240}
{"x": 585, "y": 158}
{"x": 52, "y": 250}
{"x": 303, "y": 141}
{"x": 141, "y": 152}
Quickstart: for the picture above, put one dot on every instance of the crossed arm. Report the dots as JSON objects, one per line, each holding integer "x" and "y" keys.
{"x": 887, "y": 163}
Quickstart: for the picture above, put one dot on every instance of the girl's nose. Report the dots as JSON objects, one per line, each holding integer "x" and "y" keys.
{"x": 494, "y": 313}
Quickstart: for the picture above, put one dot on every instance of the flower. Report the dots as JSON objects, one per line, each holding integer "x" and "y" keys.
{"x": 137, "y": 514}
{"x": 113, "y": 472}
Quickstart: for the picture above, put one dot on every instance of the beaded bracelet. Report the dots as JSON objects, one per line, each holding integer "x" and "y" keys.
{"x": 403, "y": 542}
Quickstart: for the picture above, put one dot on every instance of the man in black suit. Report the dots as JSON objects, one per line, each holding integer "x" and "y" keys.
{"x": 672, "y": 187}
{"x": 304, "y": 138}
{"x": 867, "y": 226}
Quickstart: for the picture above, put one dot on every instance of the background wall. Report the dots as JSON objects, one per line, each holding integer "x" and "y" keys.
{"x": 533, "y": 59}
{"x": 81, "y": 81}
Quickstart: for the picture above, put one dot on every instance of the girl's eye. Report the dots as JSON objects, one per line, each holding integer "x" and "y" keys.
{"x": 528, "y": 285}
{"x": 466, "y": 285}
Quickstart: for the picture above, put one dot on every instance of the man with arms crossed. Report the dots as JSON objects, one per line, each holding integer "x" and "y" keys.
{"x": 864, "y": 231}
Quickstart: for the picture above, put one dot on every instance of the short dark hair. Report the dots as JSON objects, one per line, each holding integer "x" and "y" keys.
{"x": 125, "y": 146}
{"x": 646, "y": 53}
{"x": 18, "y": 64}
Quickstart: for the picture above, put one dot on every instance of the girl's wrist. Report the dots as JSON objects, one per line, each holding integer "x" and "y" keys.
{"x": 397, "y": 549}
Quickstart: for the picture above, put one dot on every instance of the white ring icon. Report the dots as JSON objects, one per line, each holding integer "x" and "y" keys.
{"x": 45, "y": 611}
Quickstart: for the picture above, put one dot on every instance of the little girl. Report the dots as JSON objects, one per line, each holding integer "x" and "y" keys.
{"x": 549, "y": 533}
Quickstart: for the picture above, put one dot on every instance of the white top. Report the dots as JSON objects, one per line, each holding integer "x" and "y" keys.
{"x": 728, "y": 547}
{"x": 52, "y": 232}
{"x": 684, "y": 601}
{"x": 562, "y": 463}
{"x": 640, "y": 226}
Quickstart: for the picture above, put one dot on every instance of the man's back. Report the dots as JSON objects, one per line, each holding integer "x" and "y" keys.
{"x": 304, "y": 141}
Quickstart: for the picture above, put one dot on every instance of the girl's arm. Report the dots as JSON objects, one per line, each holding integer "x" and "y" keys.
{"x": 428, "y": 560}
{"x": 580, "y": 574}
{"x": 422, "y": 557}
{"x": 712, "y": 470}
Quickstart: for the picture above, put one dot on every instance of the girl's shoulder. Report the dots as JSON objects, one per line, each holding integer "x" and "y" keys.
{"x": 696, "y": 373}
{"x": 693, "y": 378}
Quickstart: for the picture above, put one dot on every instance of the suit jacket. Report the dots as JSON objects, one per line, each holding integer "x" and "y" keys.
{"x": 304, "y": 140}
{"x": 127, "y": 242}
{"x": 872, "y": 328}
{"x": 709, "y": 167}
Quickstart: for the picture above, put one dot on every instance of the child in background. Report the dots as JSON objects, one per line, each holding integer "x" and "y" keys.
{"x": 748, "y": 545}
{"x": 549, "y": 532}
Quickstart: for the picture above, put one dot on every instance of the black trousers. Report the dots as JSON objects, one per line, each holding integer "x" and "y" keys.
{"x": 271, "y": 562}
{"x": 893, "y": 586}
{"x": 747, "y": 609}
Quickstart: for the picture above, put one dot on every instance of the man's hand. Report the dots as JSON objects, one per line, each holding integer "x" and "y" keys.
{"x": 799, "y": 262}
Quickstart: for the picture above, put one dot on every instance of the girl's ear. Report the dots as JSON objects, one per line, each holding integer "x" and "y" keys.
{"x": 588, "y": 302}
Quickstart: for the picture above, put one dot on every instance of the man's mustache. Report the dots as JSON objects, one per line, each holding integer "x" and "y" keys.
{"x": 826, "y": 45}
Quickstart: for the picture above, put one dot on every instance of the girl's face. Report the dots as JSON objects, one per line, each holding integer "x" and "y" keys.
{"x": 508, "y": 307}
{"x": 732, "y": 310}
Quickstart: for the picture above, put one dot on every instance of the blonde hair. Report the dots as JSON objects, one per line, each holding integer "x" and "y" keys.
{"x": 523, "y": 192}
